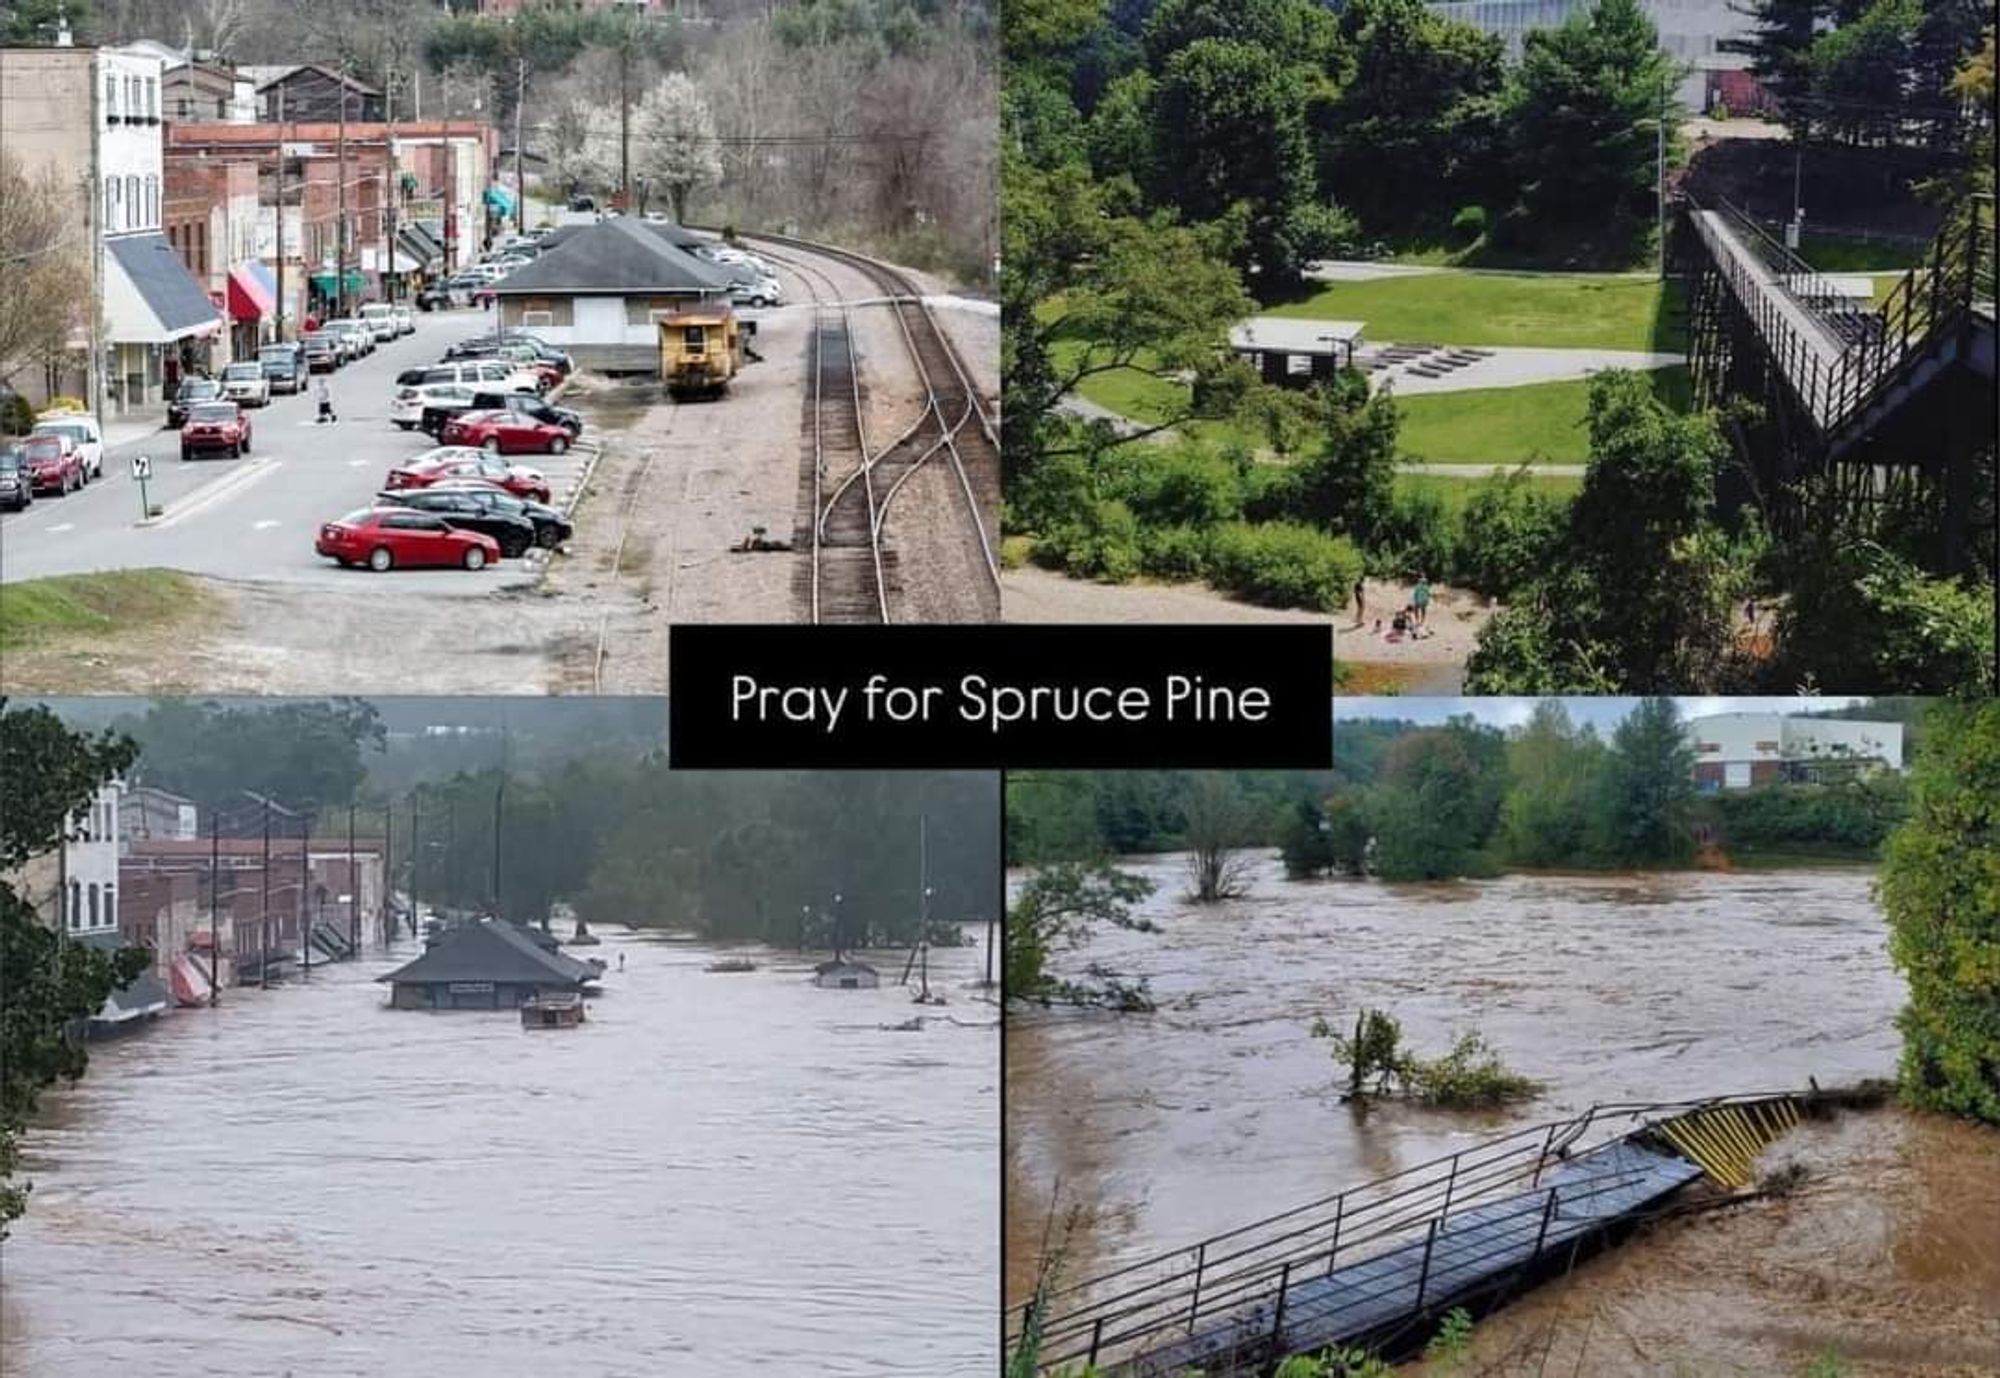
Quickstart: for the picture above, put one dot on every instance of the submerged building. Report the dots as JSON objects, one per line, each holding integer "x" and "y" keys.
{"x": 489, "y": 965}
{"x": 844, "y": 973}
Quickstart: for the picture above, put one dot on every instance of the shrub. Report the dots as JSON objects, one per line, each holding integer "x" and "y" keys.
{"x": 1173, "y": 552}
{"x": 16, "y": 416}
{"x": 1469, "y": 1077}
{"x": 67, "y": 403}
{"x": 1417, "y": 536}
{"x": 1183, "y": 486}
{"x": 1507, "y": 535}
{"x": 1468, "y": 224}
{"x": 1101, "y": 541}
{"x": 1285, "y": 565}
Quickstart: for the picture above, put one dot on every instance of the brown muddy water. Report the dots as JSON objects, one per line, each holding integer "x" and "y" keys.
{"x": 1219, "y": 1109}
{"x": 716, "y": 1175}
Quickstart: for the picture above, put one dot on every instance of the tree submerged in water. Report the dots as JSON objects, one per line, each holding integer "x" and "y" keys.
{"x": 1470, "y": 1076}
{"x": 1055, "y": 912}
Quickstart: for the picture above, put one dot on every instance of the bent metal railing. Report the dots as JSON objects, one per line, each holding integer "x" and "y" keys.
{"x": 1858, "y": 353}
{"x": 1253, "y": 1268}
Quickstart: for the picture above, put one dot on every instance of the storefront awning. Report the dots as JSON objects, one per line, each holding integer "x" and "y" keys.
{"x": 149, "y": 295}
{"x": 323, "y": 281}
{"x": 253, "y": 292}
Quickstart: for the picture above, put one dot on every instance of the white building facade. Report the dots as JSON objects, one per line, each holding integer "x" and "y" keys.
{"x": 1691, "y": 31}
{"x": 88, "y": 876}
{"x": 1744, "y": 750}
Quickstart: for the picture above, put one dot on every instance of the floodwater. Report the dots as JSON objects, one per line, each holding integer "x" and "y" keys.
{"x": 1218, "y": 1109}
{"x": 718, "y": 1174}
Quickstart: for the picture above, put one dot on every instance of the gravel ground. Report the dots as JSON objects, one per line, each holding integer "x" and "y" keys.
{"x": 1038, "y": 595}
{"x": 1451, "y": 634}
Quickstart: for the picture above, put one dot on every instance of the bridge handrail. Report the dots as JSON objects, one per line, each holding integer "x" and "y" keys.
{"x": 1930, "y": 298}
{"x": 1218, "y": 1272}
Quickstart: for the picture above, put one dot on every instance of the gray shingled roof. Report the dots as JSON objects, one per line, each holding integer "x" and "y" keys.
{"x": 171, "y": 292}
{"x": 495, "y": 951}
{"x": 618, "y": 257}
{"x": 680, "y": 236}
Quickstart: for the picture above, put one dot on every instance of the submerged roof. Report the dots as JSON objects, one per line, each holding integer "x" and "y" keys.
{"x": 495, "y": 951}
{"x": 617, "y": 257}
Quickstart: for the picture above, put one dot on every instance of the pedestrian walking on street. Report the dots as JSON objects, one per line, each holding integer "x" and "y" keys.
{"x": 325, "y": 404}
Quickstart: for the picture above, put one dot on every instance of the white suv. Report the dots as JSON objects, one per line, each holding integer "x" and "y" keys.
{"x": 81, "y": 428}
{"x": 496, "y": 375}
{"x": 380, "y": 318}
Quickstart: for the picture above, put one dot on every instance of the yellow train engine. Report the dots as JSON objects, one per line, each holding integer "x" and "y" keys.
{"x": 701, "y": 350}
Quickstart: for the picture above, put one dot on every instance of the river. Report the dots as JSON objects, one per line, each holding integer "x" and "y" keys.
{"x": 1218, "y": 1109}
{"x": 715, "y": 1175}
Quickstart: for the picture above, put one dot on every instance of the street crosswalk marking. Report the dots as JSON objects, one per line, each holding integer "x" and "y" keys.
{"x": 60, "y": 527}
{"x": 267, "y": 524}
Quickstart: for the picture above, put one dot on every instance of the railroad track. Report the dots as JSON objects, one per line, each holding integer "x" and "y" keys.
{"x": 854, "y": 568}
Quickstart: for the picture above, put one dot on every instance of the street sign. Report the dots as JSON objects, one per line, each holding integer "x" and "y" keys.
{"x": 142, "y": 467}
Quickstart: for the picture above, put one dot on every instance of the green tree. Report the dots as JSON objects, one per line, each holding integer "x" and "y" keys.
{"x": 1348, "y": 484}
{"x": 308, "y": 754}
{"x": 1438, "y": 801}
{"x": 1510, "y": 535}
{"x": 1861, "y": 73}
{"x": 1778, "y": 46}
{"x": 34, "y": 23}
{"x": 1298, "y": 30}
{"x": 1584, "y": 109}
{"x": 50, "y": 985}
{"x": 1234, "y": 114}
{"x": 1415, "y": 130}
{"x": 1643, "y": 597}
{"x": 1219, "y": 825}
{"x": 1649, "y": 787}
{"x": 1053, "y": 913}
{"x": 1086, "y": 291}
{"x": 1940, "y": 888}
{"x": 1554, "y": 788}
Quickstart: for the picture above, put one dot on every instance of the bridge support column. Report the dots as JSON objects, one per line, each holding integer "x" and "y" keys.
{"x": 1548, "y": 1214}
{"x": 1424, "y": 1277}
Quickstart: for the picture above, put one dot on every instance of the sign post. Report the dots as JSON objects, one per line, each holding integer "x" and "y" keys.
{"x": 142, "y": 469}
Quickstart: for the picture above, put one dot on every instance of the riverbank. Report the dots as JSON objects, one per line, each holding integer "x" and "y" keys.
{"x": 1883, "y": 1263}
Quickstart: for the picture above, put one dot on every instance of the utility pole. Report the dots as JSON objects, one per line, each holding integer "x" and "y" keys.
{"x": 1660, "y": 176}
{"x": 395, "y": 189}
{"x": 305, "y": 870}
{"x": 499, "y": 805}
{"x": 264, "y": 927}
{"x": 93, "y": 202}
{"x": 281, "y": 214}
{"x": 624, "y": 126}
{"x": 450, "y": 188}
{"x": 353, "y": 887}
{"x": 388, "y": 869}
{"x": 214, "y": 906}
{"x": 340, "y": 195}
{"x": 520, "y": 183}
{"x": 416, "y": 857}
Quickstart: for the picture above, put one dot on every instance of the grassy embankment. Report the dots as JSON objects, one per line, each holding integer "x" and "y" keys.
{"x": 94, "y": 612}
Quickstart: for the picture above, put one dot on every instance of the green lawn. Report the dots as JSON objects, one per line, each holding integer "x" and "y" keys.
{"x": 41, "y": 611}
{"x": 1834, "y": 254}
{"x": 1457, "y": 493}
{"x": 1542, "y": 421}
{"x": 1554, "y": 310}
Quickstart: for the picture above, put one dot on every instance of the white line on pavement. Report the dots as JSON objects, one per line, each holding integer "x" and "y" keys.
{"x": 226, "y": 486}
{"x": 60, "y": 527}
{"x": 266, "y": 524}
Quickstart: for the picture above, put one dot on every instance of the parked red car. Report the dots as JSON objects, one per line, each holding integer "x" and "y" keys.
{"x": 54, "y": 463}
{"x": 213, "y": 426}
{"x": 505, "y": 432}
{"x": 459, "y": 461}
{"x": 384, "y": 537}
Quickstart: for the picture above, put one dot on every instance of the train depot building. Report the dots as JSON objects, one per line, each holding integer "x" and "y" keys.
{"x": 489, "y": 965}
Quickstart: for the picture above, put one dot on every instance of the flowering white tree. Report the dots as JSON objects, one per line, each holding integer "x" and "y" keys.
{"x": 580, "y": 141}
{"x": 677, "y": 145}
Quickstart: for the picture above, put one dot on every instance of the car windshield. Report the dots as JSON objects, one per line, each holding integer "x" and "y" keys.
{"x": 10, "y": 461}
{"x": 199, "y": 387}
{"x": 43, "y": 446}
{"x": 212, "y": 414}
{"x": 357, "y": 517}
{"x": 68, "y": 428}
{"x": 247, "y": 372}
{"x": 276, "y": 354}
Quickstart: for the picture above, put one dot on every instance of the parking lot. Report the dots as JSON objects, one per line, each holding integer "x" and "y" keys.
{"x": 254, "y": 518}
